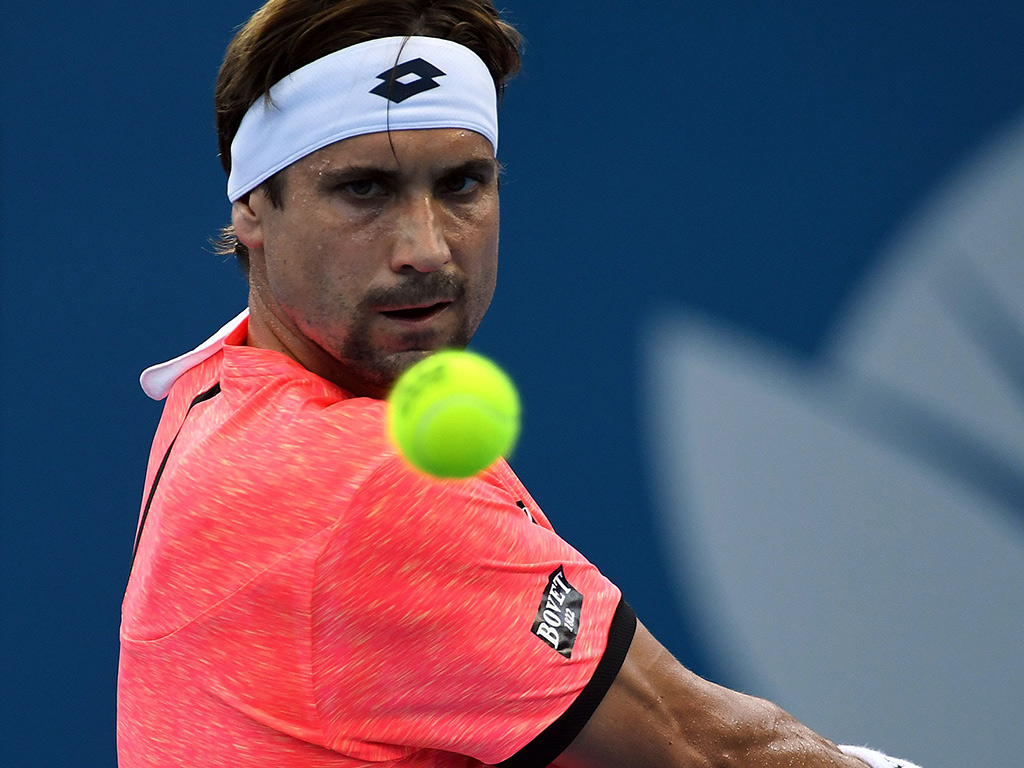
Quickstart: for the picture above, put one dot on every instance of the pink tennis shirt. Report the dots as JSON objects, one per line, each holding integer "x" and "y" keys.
{"x": 300, "y": 596}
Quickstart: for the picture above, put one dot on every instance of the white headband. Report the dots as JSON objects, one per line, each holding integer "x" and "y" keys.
{"x": 391, "y": 83}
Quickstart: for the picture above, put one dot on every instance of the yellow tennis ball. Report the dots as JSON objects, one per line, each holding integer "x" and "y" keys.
{"x": 453, "y": 414}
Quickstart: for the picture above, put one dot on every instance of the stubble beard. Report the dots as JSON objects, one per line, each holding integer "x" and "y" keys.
{"x": 380, "y": 367}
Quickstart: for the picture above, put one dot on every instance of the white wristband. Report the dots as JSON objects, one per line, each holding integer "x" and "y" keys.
{"x": 875, "y": 759}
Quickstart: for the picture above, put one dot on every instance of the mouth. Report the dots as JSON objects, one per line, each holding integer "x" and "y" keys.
{"x": 416, "y": 314}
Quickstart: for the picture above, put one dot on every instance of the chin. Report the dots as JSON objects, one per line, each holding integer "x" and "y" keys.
{"x": 380, "y": 367}
{"x": 387, "y": 370}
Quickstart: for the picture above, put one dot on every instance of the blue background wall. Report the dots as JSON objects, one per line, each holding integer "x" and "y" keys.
{"x": 742, "y": 161}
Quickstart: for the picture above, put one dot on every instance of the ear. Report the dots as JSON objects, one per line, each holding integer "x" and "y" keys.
{"x": 247, "y": 223}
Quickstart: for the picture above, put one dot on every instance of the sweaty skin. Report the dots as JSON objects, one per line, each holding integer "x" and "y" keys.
{"x": 385, "y": 249}
{"x": 658, "y": 714}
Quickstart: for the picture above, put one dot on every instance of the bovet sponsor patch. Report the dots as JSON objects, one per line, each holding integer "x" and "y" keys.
{"x": 558, "y": 618}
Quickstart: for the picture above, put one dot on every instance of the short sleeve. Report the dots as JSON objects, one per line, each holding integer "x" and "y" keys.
{"x": 446, "y": 617}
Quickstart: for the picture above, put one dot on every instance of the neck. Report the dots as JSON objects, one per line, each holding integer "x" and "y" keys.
{"x": 269, "y": 331}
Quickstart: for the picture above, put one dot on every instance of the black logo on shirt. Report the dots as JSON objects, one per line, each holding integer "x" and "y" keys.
{"x": 529, "y": 514}
{"x": 558, "y": 618}
{"x": 398, "y": 86}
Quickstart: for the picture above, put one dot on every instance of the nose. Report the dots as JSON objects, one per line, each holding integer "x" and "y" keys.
{"x": 420, "y": 241}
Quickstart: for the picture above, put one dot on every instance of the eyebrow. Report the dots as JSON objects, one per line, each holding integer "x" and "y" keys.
{"x": 340, "y": 175}
{"x": 480, "y": 166}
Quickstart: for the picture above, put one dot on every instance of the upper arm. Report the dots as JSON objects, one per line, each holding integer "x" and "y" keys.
{"x": 444, "y": 618}
{"x": 659, "y": 714}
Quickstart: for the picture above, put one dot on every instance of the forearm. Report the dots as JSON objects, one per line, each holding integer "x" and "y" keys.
{"x": 724, "y": 729}
{"x": 660, "y": 715}
{"x": 762, "y": 735}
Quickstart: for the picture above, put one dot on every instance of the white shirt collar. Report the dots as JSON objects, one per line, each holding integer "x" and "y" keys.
{"x": 157, "y": 380}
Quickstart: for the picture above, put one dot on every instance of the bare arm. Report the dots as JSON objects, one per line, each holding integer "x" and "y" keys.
{"x": 658, "y": 714}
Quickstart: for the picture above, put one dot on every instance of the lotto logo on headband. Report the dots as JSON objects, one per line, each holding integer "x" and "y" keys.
{"x": 397, "y": 91}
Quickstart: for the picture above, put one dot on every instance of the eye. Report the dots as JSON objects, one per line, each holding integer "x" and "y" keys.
{"x": 460, "y": 185}
{"x": 363, "y": 189}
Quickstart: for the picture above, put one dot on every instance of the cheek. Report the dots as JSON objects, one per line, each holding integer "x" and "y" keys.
{"x": 299, "y": 276}
{"x": 477, "y": 235}
{"x": 317, "y": 257}
{"x": 485, "y": 273}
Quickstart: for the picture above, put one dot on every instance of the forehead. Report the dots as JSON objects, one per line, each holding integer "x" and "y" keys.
{"x": 433, "y": 149}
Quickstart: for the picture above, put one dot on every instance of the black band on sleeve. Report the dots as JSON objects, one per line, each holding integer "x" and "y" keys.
{"x": 554, "y": 739}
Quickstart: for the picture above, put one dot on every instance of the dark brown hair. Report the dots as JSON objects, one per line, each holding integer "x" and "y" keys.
{"x": 284, "y": 35}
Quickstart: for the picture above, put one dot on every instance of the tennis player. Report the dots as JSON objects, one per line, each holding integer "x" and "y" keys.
{"x": 299, "y": 596}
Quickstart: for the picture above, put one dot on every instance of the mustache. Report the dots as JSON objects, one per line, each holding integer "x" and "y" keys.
{"x": 429, "y": 288}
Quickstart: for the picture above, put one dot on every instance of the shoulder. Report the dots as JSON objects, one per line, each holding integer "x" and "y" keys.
{"x": 399, "y": 519}
{"x": 278, "y": 445}
{"x": 305, "y": 423}
{"x": 401, "y": 496}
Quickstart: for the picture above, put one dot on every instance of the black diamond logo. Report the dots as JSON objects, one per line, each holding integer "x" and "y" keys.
{"x": 398, "y": 86}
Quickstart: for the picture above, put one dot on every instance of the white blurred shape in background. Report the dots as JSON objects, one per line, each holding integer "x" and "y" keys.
{"x": 852, "y": 530}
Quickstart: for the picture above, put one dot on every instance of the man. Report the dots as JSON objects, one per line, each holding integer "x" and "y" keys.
{"x": 299, "y": 595}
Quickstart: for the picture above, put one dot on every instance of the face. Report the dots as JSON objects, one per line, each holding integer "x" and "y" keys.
{"x": 385, "y": 249}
